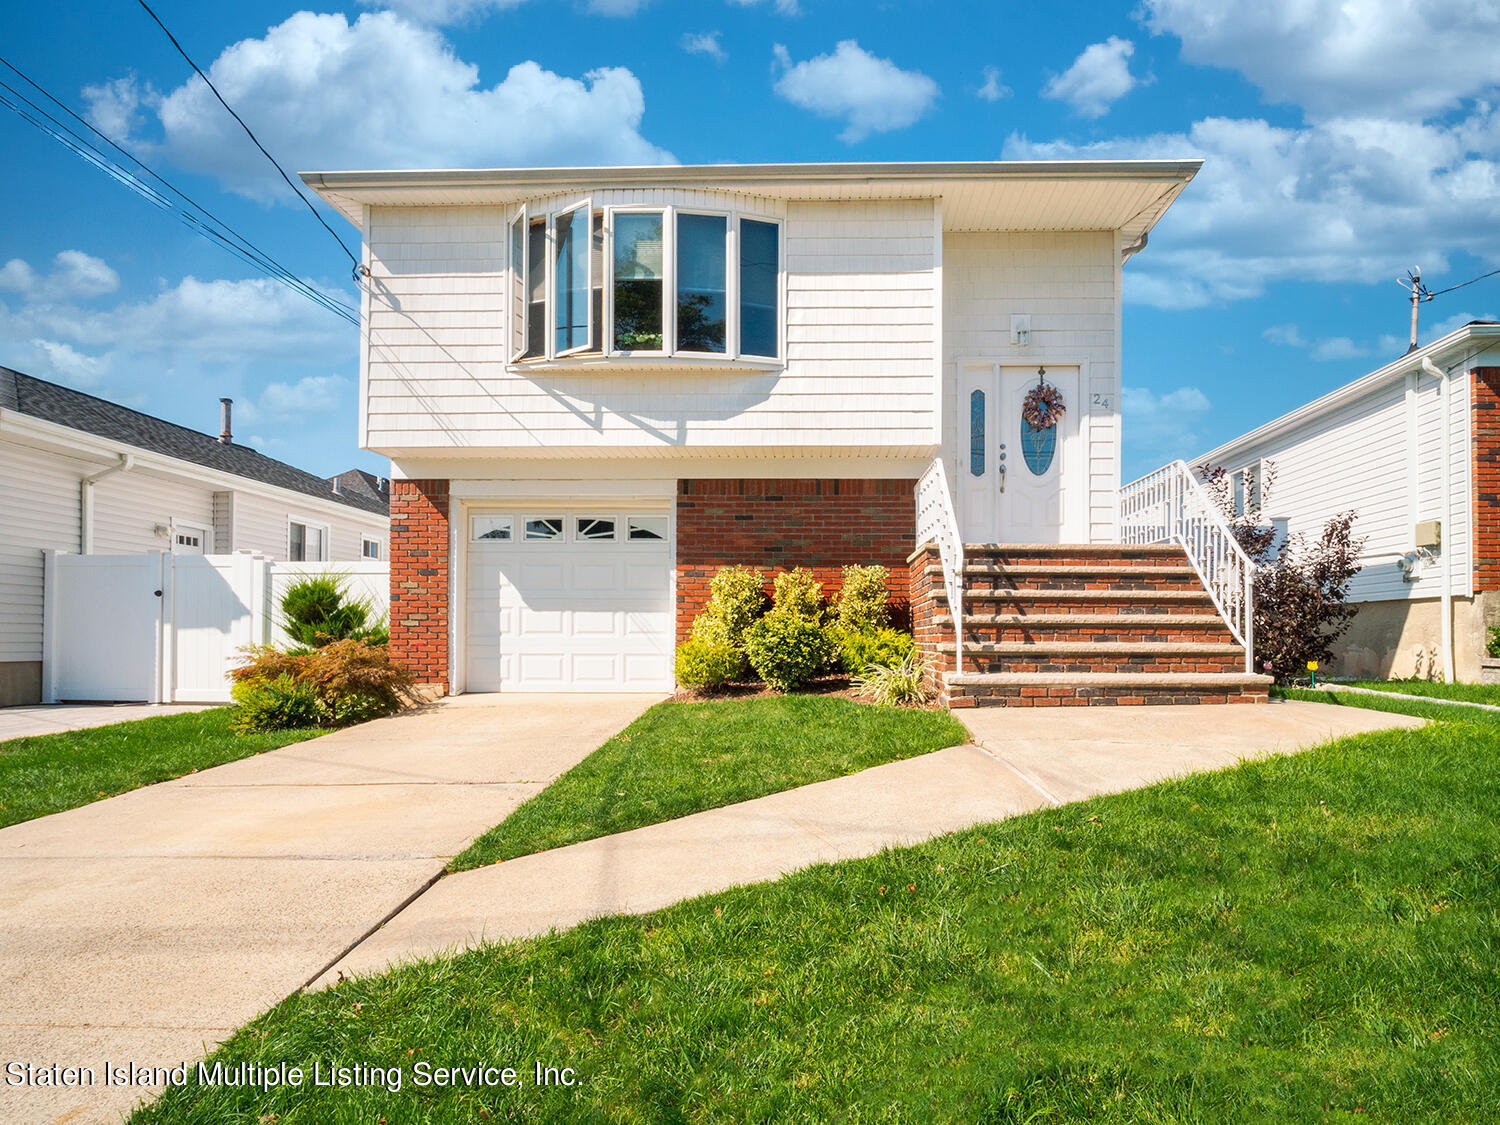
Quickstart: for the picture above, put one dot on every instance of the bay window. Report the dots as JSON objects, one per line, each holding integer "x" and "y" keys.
{"x": 644, "y": 281}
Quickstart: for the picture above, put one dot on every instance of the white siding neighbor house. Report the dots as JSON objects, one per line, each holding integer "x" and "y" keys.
{"x": 1413, "y": 449}
{"x": 80, "y": 474}
{"x": 599, "y": 385}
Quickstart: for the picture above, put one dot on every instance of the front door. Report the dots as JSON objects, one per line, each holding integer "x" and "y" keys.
{"x": 1018, "y": 484}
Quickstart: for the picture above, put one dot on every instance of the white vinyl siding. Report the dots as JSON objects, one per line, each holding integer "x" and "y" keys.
{"x": 859, "y": 322}
{"x": 1066, "y": 282}
{"x": 261, "y": 525}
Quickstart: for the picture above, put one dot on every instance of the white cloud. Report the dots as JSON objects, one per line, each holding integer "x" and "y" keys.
{"x": 871, "y": 95}
{"x": 115, "y": 107}
{"x": 442, "y": 13}
{"x": 74, "y": 274}
{"x": 1288, "y": 335}
{"x": 17, "y": 276}
{"x": 309, "y": 395}
{"x": 385, "y": 93}
{"x": 1335, "y": 57}
{"x": 1098, "y": 78}
{"x": 66, "y": 365}
{"x": 1161, "y": 427}
{"x": 1346, "y": 200}
{"x": 992, "y": 89}
{"x": 704, "y": 43}
{"x": 1337, "y": 348}
{"x": 783, "y": 7}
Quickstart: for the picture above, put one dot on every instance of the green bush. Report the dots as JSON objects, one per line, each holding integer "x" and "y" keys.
{"x": 737, "y": 597}
{"x": 319, "y": 610}
{"x": 799, "y": 593}
{"x": 896, "y": 685}
{"x": 786, "y": 649}
{"x": 862, "y": 598}
{"x": 857, "y": 651}
{"x": 1493, "y": 647}
{"x": 708, "y": 664}
{"x": 281, "y": 703}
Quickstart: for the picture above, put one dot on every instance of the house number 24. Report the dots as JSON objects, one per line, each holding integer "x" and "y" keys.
{"x": 1101, "y": 401}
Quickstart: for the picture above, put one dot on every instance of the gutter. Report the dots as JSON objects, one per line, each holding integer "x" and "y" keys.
{"x": 86, "y": 500}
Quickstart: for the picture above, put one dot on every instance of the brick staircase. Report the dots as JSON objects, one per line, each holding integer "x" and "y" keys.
{"x": 1079, "y": 625}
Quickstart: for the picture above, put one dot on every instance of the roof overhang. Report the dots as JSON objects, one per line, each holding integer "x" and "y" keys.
{"x": 1452, "y": 353}
{"x": 1128, "y": 196}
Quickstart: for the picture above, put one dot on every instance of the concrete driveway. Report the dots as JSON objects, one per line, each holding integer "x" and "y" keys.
{"x": 147, "y": 927}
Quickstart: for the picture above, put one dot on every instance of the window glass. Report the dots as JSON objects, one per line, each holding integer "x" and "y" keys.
{"x": 644, "y": 528}
{"x": 297, "y": 543}
{"x": 1037, "y": 447}
{"x": 976, "y": 433}
{"x": 638, "y": 282}
{"x": 371, "y": 548}
{"x": 759, "y": 269}
{"x": 544, "y": 527}
{"x": 490, "y": 527}
{"x": 701, "y": 265}
{"x": 570, "y": 280}
{"x": 594, "y": 528}
{"x": 518, "y": 286}
{"x": 596, "y": 270}
{"x": 536, "y": 288}
{"x": 315, "y": 544}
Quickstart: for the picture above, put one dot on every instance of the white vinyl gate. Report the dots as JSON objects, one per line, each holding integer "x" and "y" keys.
{"x": 166, "y": 628}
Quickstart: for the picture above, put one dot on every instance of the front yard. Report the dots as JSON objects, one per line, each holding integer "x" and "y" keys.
{"x": 51, "y": 772}
{"x": 1299, "y": 939}
{"x": 682, "y": 758}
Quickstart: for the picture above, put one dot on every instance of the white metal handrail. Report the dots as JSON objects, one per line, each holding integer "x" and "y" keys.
{"x": 1170, "y": 506}
{"x": 936, "y": 523}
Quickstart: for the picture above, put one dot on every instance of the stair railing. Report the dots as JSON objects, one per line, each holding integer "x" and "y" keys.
{"x": 936, "y": 523}
{"x": 1171, "y": 506}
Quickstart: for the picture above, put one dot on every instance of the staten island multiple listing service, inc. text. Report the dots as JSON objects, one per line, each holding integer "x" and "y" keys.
{"x": 423, "y": 1075}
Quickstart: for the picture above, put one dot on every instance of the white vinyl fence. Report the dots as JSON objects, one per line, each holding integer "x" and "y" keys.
{"x": 163, "y": 628}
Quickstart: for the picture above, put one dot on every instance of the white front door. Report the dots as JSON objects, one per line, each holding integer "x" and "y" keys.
{"x": 559, "y": 599}
{"x": 188, "y": 539}
{"x": 1017, "y": 484}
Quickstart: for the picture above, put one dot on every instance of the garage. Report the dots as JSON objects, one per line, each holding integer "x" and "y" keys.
{"x": 559, "y": 600}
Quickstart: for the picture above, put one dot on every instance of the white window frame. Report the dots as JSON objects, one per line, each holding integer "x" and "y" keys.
{"x": 668, "y": 279}
{"x": 731, "y": 285}
{"x": 769, "y": 220}
{"x": 586, "y": 205}
{"x": 365, "y": 541}
{"x": 307, "y": 523}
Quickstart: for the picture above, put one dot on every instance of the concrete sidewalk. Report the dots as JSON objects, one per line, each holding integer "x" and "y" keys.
{"x": 50, "y": 718}
{"x": 147, "y": 927}
{"x": 1029, "y": 759}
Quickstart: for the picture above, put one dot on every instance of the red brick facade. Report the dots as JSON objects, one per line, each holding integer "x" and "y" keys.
{"x": 1484, "y": 404}
{"x": 419, "y": 578}
{"x": 776, "y": 525}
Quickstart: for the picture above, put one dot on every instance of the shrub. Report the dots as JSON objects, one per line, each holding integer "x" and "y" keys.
{"x": 799, "y": 593}
{"x": 896, "y": 685}
{"x": 351, "y": 680}
{"x": 279, "y": 703}
{"x": 1301, "y": 586}
{"x": 319, "y": 610}
{"x": 708, "y": 664}
{"x": 787, "y": 649}
{"x": 857, "y": 651}
{"x": 737, "y": 598}
{"x": 862, "y": 597}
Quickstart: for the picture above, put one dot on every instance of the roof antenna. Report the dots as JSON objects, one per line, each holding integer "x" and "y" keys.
{"x": 1412, "y": 283}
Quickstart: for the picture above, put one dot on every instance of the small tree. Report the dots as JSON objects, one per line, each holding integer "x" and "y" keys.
{"x": 1301, "y": 586}
{"x": 319, "y": 610}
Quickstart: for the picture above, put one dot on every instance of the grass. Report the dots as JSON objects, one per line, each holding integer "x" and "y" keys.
{"x": 682, "y": 758}
{"x": 1441, "y": 712}
{"x": 1309, "y": 938}
{"x": 1467, "y": 693}
{"x": 48, "y": 773}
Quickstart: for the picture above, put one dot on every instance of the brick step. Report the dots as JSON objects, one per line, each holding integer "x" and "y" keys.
{"x": 1069, "y": 657}
{"x": 1083, "y": 689}
{"x": 1087, "y": 601}
{"x": 986, "y": 576}
{"x": 1073, "y": 554}
{"x": 1092, "y": 628}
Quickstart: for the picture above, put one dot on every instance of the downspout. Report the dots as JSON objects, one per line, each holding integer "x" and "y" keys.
{"x": 86, "y": 501}
{"x": 1445, "y": 397}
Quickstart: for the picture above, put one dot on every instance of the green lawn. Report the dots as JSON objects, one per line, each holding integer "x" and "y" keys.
{"x": 681, "y": 758}
{"x": 1444, "y": 712}
{"x": 48, "y": 773}
{"x": 1468, "y": 693}
{"x": 1310, "y": 938}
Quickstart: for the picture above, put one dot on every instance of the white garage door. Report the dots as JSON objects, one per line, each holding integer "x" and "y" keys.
{"x": 559, "y": 600}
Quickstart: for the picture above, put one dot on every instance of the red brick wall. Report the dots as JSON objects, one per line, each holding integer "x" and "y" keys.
{"x": 1484, "y": 404}
{"x": 419, "y": 578}
{"x": 776, "y": 525}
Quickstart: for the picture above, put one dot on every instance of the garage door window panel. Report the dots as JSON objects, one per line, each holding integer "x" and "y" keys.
{"x": 646, "y": 529}
{"x": 544, "y": 527}
{"x": 490, "y": 528}
{"x": 594, "y": 529}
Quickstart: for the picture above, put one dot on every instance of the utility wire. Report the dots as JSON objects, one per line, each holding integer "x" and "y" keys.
{"x": 249, "y": 133}
{"x": 214, "y": 229}
{"x": 1438, "y": 293}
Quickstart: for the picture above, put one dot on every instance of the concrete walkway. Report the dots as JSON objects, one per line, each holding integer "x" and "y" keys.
{"x": 1026, "y": 759}
{"x": 49, "y": 718}
{"x": 149, "y": 926}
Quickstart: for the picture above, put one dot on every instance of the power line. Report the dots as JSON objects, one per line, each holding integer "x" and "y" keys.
{"x": 249, "y": 133}
{"x": 192, "y": 214}
{"x": 1461, "y": 284}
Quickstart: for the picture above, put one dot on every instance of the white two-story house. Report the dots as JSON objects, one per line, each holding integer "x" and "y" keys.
{"x": 599, "y": 385}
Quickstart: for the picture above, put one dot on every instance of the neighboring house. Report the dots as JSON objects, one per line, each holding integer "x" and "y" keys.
{"x": 599, "y": 385}
{"x": 1427, "y": 500}
{"x": 80, "y": 474}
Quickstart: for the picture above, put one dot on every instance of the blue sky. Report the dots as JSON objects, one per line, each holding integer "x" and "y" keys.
{"x": 1345, "y": 141}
